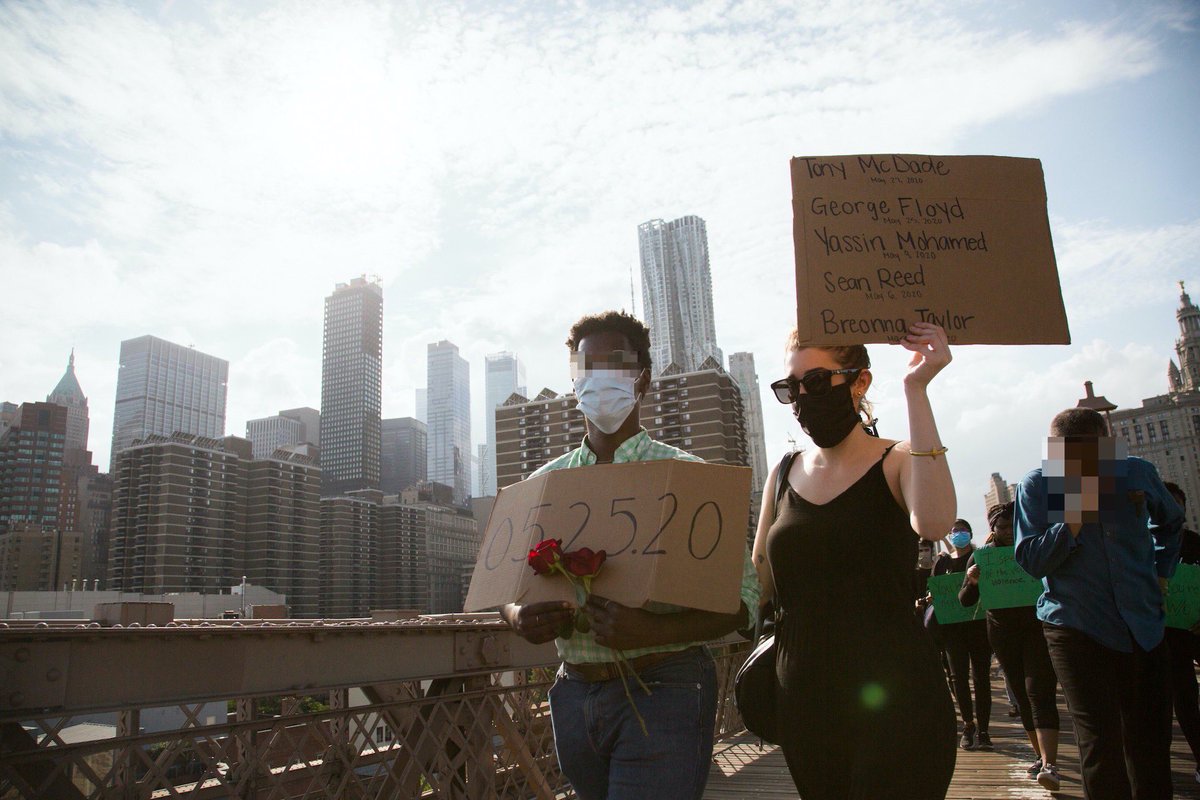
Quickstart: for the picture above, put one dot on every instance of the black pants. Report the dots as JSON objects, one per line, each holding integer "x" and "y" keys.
{"x": 920, "y": 581}
{"x": 1021, "y": 649}
{"x": 970, "y": 656}
{"x": 1183, "y": 648}
{"x": 1121, "y": 707}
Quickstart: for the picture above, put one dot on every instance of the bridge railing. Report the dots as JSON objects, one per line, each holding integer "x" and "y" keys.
{"x": 446, "y": 707}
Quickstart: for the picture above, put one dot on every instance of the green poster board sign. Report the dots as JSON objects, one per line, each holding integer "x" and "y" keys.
{"x": 946, "y": 607}
{"x": 1002, "y": 582}
{"x": 1183, "y": 597}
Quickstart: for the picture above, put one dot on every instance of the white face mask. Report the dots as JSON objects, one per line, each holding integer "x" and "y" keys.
{"x": 605, "y": 399}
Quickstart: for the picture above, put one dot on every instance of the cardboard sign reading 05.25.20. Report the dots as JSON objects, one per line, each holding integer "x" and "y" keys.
{"x": 674, "y": 532}
{"x": 883, "y": 241}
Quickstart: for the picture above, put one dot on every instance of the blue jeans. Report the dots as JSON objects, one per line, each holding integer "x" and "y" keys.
{"x": 600, "y": 745}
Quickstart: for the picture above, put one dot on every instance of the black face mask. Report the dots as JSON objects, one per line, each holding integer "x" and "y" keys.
{"x": 828, "y": 418}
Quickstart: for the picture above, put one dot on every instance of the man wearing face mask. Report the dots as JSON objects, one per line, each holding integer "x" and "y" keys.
{"x": 600, "y": 744}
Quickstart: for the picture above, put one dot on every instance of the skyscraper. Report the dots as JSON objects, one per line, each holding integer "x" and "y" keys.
{"x": 310, "y": 421}
{"x": 31, "y": 468}
{"x": 68, "y": 393}
{"x": 421, "y": 397}
{"x": 178, "y": 514}
{"x": 349, "y": 555}
{"x": 351, "y": 387}
{"x": 448, "y": 390}
{"x": 43, "y": 543}
{"x": 404, "y": 454}
{"x": 164, "y": 388}
{"x": 741, "y": 368}
{"x": 504, "y": 375}
{"x": 677, "y": 293}
{"x": 282, "y": 535}
{"x": 998, "y": 492}
{"x": 269, "y": 434}
{"x": 424, "y": 547}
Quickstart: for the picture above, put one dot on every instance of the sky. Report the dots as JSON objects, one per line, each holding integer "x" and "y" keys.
{"x": 208, "y": 172}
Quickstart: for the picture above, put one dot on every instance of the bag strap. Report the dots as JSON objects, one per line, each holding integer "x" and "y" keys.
{"x": 785, "y": 466}
{"x": 766, "y": 621}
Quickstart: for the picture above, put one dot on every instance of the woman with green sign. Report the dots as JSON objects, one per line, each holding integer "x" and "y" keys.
{"x": 1016, "y": 636}
{"x": 968, "y": 649}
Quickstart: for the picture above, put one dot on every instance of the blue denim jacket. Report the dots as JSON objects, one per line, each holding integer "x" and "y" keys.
{"x": 1105, "y": 581}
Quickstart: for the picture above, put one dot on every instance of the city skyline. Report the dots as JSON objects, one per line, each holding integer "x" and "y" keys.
{"x": 222, "y": 219}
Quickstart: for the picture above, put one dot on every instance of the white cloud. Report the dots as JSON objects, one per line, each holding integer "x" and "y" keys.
{"x": 211, "y": 172}
{"x": 1108, "y": 268}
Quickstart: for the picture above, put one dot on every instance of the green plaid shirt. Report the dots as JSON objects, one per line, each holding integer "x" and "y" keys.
{"x": 581, "y": 648}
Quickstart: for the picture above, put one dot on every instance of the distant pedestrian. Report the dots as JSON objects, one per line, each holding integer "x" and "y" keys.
{"x": 968, "y": 649}
{"x": 1016, "y": 636}
{"x": 1184, "y": 648}
{"x": 925, "y": 555}
{"x": 1102, "y": 533}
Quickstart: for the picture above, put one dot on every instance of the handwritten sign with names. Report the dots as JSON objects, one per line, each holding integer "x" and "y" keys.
{"x": 946, "y": 606}
{"x": 883, "y": 241}
{"x": 1002, "y": 582}
{"x": 1183, "y": 597}
{"x": 673, "y": 532}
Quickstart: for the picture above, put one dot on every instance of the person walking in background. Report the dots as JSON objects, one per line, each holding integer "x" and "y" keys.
{"x": 925, "y": 556}
{"x": 1183, "y": 648}
{"x": 867, "y": 711}
{"x": 1102, "y": 532}
{"x": 1016, "y": 636}
{"x": 968, "y": 650}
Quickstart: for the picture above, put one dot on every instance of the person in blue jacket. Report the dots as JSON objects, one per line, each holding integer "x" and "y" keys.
{"x": 1103, "y": 534}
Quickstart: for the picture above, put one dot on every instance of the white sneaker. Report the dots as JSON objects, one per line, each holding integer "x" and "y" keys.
{"x": 1196, "y": 775}
{"x": 1048, "y": 778}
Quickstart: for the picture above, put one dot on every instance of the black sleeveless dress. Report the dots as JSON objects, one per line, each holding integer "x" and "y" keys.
{"x": 868, "y": 711}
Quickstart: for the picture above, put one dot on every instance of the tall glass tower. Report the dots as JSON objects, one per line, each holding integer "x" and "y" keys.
{"x": 503, "y": 374}
{"x": 165, "y": 388}
{"x": 351, "y": 387}
{"x": 741, "y": 368}
{"x": 677, "y": 293}
{"x": 448, "y": 411}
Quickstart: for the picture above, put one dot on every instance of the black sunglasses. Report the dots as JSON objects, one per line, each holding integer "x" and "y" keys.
{"x": 815, "y": 382}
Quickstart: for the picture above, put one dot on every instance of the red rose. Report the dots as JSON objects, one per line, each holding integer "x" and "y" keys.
{"x": 583, "y": 562}
{"x": 545, "y": 554}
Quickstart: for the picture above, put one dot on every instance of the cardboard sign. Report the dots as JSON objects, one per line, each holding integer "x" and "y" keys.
{"x": 961, "y": 241}
{"x": 674, "y": 532}
{"x": 946, "y": 607}
{"x": 1002, "y": 582}
{"x": 1183, "y": 597}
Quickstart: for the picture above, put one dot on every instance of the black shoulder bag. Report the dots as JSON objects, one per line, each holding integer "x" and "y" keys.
{"x": 755, "y": 685}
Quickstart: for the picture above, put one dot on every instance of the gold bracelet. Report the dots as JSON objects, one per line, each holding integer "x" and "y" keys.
{"x": 934, "y": 453}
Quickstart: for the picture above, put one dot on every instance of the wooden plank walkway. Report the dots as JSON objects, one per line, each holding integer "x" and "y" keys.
{"x": 742, "y": 770}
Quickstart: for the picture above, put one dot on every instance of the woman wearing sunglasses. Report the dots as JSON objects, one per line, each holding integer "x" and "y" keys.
{"x": 869, "y": 713}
